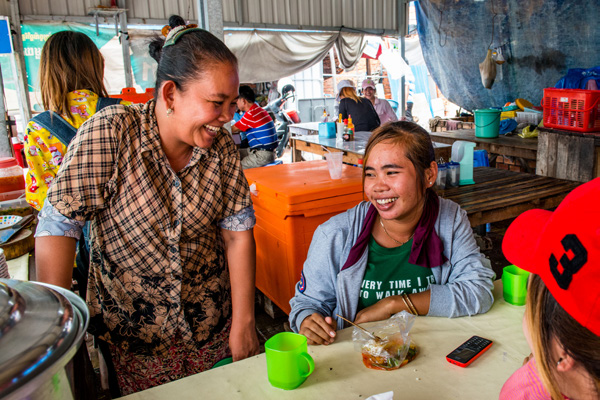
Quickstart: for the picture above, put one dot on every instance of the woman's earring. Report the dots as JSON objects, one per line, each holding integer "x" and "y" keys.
{"x": 559, "y": 361}
{"x": 430, "y": 183}
{"x": 169, "y": 112}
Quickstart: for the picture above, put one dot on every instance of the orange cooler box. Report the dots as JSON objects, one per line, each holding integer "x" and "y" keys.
{"x": 290, "y": 202}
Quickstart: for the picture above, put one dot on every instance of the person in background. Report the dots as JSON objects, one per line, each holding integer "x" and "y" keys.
{"x": 404, "y": 249}
{"x": 258, "y": 129}
{"x": 72, "y": 88}
{"x": 561, "y": 249}
{"x": 383, "y": 107}
{"x": 363, "y": 113}
{"x": 172, "y": 271}
{"x": 71, "y": 85}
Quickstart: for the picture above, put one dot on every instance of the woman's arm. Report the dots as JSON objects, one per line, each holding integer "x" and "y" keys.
{"x": 465, "y": 282}
{"x": 391, "y": 305}
{"x": 241, "y": 256}
{"x": 55, "y": 242}
{"x": 316, "y": 297}
{"x": 54, "y": 260}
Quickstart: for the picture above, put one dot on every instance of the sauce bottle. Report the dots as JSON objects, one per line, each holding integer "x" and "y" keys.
{"x": 350, "y": 128}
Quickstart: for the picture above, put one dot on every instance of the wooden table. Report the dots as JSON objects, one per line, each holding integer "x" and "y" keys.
{"x": 340, "y": 374}
{"x": 500, "y": 194}
{"x": 353, "y": 150}
{"x": 512, "y": 146}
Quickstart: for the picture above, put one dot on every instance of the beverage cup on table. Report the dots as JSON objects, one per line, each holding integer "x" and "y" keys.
{"x": 288, "y": 362}
{"x": 514, "y": 283}
{"x": 334, "y": 164}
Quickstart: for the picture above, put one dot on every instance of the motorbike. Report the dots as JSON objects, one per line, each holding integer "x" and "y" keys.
{"x": 283, "y": 118}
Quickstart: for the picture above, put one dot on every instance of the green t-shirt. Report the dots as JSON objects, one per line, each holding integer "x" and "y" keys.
{"x": 389, "y": 273}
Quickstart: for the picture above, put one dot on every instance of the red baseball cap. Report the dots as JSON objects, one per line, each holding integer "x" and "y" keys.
{"x": 563, "y": 248}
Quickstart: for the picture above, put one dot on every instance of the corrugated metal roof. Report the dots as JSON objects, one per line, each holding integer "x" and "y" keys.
{"x": 371, "y": 15}
{"x": 374, "y": 16}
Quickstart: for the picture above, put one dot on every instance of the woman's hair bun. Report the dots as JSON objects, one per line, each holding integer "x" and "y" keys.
{"x": 175, "y": 21}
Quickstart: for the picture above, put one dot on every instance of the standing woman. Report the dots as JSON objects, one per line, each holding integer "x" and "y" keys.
{"x": 404, "y": 249}
{"x": 561, "y": 249}
{"x": 72, "y": 86}
{"x": 171, "y": 284}
{"x": 361, "y": 110}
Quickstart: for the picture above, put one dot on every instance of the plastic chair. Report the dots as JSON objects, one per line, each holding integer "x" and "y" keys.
{"x": 394, "y": 105}
{"x": 480, "y": 158}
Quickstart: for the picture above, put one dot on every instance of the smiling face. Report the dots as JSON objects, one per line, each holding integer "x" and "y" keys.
{"x": 204, "y": 106}
{"x": 369, "y": 93}
{"x": 392, "y": 183}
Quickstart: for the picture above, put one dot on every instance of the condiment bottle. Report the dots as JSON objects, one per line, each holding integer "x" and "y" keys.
{"x": 350, "y": 128}
{"x": 324, "y": 116}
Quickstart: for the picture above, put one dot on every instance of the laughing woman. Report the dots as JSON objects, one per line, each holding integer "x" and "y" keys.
{"x": 404, "y": 249}
{"x": 171, "y": 281}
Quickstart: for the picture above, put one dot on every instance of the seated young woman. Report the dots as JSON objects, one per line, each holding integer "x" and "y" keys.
{"x": 404, "y": 249}
{"x": 561, "y": 249}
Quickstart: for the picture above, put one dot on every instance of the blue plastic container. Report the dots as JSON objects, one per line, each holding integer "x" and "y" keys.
{"x": 327, "y": 130}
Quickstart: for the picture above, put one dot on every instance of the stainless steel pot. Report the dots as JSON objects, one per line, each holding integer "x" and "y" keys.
{"x": 41, "y": 328}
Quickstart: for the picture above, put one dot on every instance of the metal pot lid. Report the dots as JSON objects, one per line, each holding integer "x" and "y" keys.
{"x": 40, "y": 326}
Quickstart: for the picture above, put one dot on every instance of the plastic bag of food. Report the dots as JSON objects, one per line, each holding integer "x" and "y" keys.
{"x": 487, "y": 70}
{"x": 530, "y": 131}
{"x": 392, "y": 347}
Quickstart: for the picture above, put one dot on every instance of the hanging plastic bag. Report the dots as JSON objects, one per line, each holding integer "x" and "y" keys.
{"x": 487, "y": 69}
{"x": 393, "y": 348}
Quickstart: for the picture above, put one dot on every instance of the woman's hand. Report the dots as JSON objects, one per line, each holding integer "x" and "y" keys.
{"x": 243, "y": 341}
{"x": 318, "y": 330}
{"x": 379, "y": 311}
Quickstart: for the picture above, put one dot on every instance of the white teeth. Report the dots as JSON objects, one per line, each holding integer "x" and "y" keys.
{"x": 212, "y": 128}
{"x": 385, "y": 201}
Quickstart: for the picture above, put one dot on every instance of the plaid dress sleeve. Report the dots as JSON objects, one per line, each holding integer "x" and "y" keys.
{"x": 81, "y": 186}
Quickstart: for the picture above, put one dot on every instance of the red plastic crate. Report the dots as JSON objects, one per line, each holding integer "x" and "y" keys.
{"x": 572, "y": 109}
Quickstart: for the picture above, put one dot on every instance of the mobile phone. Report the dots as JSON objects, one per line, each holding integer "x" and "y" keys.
{"x": 468, "y": 352}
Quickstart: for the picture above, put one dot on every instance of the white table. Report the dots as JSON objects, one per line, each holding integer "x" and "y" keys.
{"x": 340, "y": 374}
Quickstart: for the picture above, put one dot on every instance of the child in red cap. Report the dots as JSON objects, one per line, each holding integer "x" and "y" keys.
{"x": 562, "y": 315}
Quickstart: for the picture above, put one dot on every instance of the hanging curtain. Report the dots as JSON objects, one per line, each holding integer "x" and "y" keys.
{"x": 265, "y": 56}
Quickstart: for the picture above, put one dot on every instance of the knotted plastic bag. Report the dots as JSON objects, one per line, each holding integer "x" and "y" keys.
{"x": 393, "y": 346}
{"x": 487, "y": 69}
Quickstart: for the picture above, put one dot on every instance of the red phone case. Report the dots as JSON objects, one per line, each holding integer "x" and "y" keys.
{"x": 455, "y": 362}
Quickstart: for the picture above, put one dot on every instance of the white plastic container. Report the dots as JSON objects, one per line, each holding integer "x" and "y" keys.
{"x": 529, "y": 117}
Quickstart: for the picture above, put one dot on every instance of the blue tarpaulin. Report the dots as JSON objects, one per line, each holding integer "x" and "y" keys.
{"x": 540, "y": 40}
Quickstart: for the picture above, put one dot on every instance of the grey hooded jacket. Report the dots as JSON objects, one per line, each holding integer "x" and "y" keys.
{"x": 463, "y": 286}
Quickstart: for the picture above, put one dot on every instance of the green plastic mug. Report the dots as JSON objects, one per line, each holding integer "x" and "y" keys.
{"x": 514, "y": 283}
{"x": 288, "y": 363}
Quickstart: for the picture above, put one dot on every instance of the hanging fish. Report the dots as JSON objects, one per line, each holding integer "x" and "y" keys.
{"x": 487, "y": 69}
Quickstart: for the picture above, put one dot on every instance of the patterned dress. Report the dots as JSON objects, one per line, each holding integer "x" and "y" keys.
{"x": 158, "y": 271}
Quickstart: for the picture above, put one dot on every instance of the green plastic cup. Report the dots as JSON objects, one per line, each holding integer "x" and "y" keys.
{"x": 288, "y": 362}
{"x": 514, "y": 283}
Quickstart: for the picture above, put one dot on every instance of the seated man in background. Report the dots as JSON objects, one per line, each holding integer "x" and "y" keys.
{"x": 259, "y": 130}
